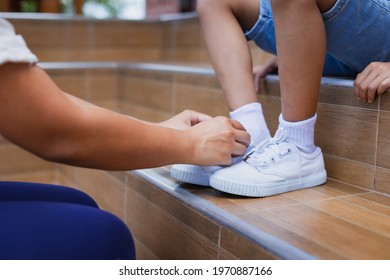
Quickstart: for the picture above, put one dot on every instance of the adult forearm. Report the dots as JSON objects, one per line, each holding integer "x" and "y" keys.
{"x": 36, "y": 115}
{"x": 107, "y": 140}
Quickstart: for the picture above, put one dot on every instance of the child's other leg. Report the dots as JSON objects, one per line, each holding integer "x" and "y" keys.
{"x": 228, "y": 48}
{"x": 301, "y": 46}
{"x": 223, "y": 23}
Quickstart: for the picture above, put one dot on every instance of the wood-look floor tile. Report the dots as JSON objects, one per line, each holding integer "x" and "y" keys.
{"x": 340, "y": 95}
{"x": 198, "y": 80}
{"x": 222, "y": 200}
{"x": 364, "y": 218}
{"x": 340, "y": 236}
{"x": 187, "y": 34}
{"x": 377, "y": 198}
{"x": 242, "y": 248}
{"x": 209, "y": 101}
{"x": 148, "y": 93}
{"x": 102, "y": 85}
{"x": 45, "y": 54}
{"x": 166, "y": 236}
{"x": 43, "y": 32}
{"x": 108, "y": 191}
{"x": 144, "y": 113}
{"x": 385, "y": 102}
{"x": 257, "y": 204}
{"x": 123, "y": 34}
{"x": 305, "y": 244}
{"x": 361, "y": 125}
{"x": 330, "y": 189}
{"x": 383, "y": 157}
{"x": 73, "y": 82}
{"x": 16, "y": 160}
{"x": 66, "y": 170}
{"x": 343, "y": 188}
{"x": 48, "y": 177}
{"x": 225, "y": 255}
{"x": 382, "y": 180}
{"x": 271, "y": 108}
{"x": 195, "y": 220}
{"x": 81, "y": 34}
{"x": 351, "y": 172}
{"x": 367, "y": 204}
{"x": 142, "y": 252}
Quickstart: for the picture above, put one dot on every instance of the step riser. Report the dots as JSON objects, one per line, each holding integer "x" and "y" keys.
{"x": 67, "y": 39}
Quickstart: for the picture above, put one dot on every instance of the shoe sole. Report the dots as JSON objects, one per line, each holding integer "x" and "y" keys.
{"x": 255, "y": 190}
{"x": 191, "y": 177}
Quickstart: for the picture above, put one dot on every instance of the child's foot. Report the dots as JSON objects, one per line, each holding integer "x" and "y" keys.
{"x": 274, "y": 166}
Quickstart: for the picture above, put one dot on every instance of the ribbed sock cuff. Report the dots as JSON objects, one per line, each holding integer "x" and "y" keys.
{"x": 252, "y": 118}
{"x": 300, "y": 133}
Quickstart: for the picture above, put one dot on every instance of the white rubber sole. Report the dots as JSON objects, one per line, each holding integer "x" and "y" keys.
{"x": 263, "y": 190}
{"x": 199, "y": 177}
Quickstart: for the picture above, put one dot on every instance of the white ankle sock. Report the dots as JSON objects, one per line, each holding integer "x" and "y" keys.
{"x": 300, "y": 133}
{"x": 252, "y": 118}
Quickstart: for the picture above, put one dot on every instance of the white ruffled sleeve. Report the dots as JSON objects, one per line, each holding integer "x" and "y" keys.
{"x": 13, "y": 48}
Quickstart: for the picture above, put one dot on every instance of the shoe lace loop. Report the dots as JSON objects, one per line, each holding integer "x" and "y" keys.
{"x": 269, "y": 150}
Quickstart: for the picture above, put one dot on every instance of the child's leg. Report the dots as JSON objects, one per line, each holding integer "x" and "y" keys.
{"x": 223, "y": 23}
{"x": 228, "y": 47}
{"x": 301, "y": 47}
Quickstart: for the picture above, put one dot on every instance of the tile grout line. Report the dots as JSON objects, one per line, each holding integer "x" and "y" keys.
{"x": 376, "y": 145}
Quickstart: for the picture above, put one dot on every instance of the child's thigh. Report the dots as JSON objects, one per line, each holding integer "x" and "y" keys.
{"x": 357, "y": 32}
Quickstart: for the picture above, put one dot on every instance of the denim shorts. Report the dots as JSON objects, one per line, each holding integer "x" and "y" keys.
{"x": 357, "y": 33}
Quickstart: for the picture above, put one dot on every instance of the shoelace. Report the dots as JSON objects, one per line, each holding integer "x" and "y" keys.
{"x": 269, "y": 150}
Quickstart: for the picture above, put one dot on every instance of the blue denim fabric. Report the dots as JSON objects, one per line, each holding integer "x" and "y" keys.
{"x": 356, "y": 32}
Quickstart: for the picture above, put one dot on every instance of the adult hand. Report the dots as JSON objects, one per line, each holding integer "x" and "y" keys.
{"x": 375, "y": 79}
{"x": 185, "y": 120}
{"x": 217, "y": 140}
{"x": 260, "y": 71}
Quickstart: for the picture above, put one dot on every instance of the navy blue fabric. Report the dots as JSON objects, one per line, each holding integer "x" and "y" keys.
{"x": 40, "y": 221}
{"x": 24, "y": 191}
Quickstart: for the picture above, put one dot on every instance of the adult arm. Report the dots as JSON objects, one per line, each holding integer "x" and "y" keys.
{"x": 36, "y": 115}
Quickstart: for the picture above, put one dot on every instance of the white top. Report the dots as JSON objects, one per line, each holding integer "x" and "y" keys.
{"x": 13, "y": 48}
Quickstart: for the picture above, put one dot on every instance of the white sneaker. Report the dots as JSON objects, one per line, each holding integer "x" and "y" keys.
{"x": 193, "y": 174}
{"x": 274, "y": 166}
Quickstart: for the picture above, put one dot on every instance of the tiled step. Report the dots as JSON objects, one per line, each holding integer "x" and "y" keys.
{"x": 352, "y": 134}
{"x": 347, "y": 218}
